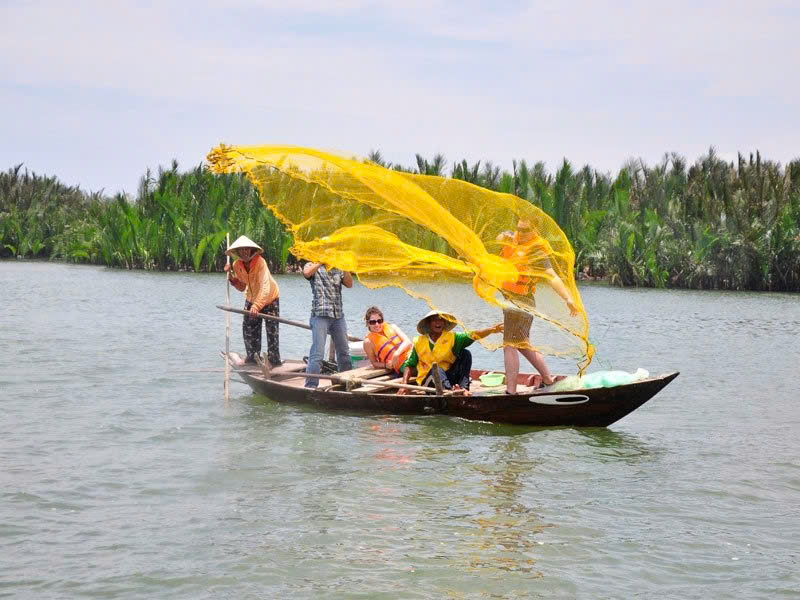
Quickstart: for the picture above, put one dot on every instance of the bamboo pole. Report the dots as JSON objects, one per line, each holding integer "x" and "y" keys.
{"x": 228, "y": 322}
{"x": 352, "y": 338}
{"x": 343, "y": 378}
{"x": 437, "y": 379}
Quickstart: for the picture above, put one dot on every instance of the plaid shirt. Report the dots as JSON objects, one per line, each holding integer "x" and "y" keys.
{"x": 326, "y": 286}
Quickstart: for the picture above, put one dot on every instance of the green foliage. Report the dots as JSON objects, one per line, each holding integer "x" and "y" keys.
{"x": 177, "y": 222}
{"x": 434, "y": 167}
{"x": 469, "y": 174}
{"x": 711, "y": 224}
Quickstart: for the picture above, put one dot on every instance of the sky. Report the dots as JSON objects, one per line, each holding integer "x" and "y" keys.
{"x": 97, "y": 92}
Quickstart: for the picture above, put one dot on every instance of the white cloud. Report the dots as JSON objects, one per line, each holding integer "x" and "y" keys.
{"x": 595, "y": 82}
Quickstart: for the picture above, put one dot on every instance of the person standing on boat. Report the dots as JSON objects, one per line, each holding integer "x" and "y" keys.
{"x": 520, "y": 248}
{"x": 327, "y": 316}
{"x": 386, "y": 345}
{"x": 438, "y": 344}
{"x": 250, "y": 274}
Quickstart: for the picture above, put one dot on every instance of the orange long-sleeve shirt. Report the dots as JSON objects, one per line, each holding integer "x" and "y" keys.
{"x": 261, "y": 289}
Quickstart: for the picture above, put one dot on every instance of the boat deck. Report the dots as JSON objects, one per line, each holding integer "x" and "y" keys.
{"x": 291, "y": 373}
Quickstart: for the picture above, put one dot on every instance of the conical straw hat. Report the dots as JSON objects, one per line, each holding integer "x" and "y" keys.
{"x": 449, "y": 321}
{"x": 243, "y": 242}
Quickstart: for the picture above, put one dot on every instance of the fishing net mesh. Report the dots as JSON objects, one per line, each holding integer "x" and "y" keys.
{"x": 461, "y": 248}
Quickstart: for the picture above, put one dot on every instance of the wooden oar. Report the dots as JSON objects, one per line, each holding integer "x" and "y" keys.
{"x": 228, "y": 321}
{"x": 343, "y": 378}
{"x": 352, "y": 338}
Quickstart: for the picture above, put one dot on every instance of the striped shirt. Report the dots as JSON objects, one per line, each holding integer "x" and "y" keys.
{"x": 326, "y": 288}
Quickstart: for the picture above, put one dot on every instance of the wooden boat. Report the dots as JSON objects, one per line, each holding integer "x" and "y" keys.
{"x": 374, "y": 391}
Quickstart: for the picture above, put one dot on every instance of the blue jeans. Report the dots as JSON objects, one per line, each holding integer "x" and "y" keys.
{"x": 320, "y": 328}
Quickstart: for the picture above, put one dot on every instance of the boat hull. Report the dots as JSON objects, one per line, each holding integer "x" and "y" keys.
{"x": 596, "y": 407}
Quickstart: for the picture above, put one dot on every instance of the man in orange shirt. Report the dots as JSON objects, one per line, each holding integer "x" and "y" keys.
{"x": 522, "y": 248}
{"x": 250, "y": 274}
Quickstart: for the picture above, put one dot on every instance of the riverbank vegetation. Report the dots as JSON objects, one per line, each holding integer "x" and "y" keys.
{"x": 710, "y": 225}
{"x": 177, "y": 221}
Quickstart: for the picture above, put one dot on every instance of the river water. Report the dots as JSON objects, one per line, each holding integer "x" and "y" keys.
{"x": 125, "y": 475}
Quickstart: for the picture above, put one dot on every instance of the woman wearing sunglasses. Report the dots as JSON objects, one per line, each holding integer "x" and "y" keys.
{"x": 386, "y": 345}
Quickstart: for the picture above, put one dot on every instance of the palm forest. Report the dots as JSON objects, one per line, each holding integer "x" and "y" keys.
{"x": 711, "y": 224}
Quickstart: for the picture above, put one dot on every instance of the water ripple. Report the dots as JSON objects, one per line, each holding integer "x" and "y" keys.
{"x": 126, "y": 476}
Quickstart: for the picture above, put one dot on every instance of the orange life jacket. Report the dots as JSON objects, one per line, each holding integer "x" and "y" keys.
{"x": 386, "y": 343}
{"x": 519, "y": 254}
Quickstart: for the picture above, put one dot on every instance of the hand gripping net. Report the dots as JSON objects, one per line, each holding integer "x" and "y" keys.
{"x": 462, "y": 248}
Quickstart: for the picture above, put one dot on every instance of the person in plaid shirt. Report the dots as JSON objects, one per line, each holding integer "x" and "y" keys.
{"x": 327, "y": 316}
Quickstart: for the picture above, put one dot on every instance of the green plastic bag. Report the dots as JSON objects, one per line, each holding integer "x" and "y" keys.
{"x": 598, "y": 379}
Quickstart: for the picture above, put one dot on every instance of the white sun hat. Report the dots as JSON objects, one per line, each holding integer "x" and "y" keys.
{"x": 243, "y": 242}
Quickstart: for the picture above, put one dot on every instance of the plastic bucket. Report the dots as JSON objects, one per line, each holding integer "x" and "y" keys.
{"x": 492, "y": 379}
{"x": 357, "y": 353}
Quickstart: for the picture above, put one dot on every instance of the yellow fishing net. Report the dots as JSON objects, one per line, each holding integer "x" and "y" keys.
{"x": 462, "y": 248}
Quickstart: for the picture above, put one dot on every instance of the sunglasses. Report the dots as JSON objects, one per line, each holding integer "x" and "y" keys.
{"x": 375, "y": 321}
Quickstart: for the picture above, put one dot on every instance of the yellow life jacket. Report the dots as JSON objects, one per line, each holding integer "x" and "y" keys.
{"x": 441, "y": 353}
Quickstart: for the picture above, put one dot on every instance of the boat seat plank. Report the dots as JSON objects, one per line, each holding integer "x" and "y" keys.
{"x": 293, "y": 366}
{"x": 377, "y": 387}
{"x": 368, "y": 372}
{"x": 288, "y": 370}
